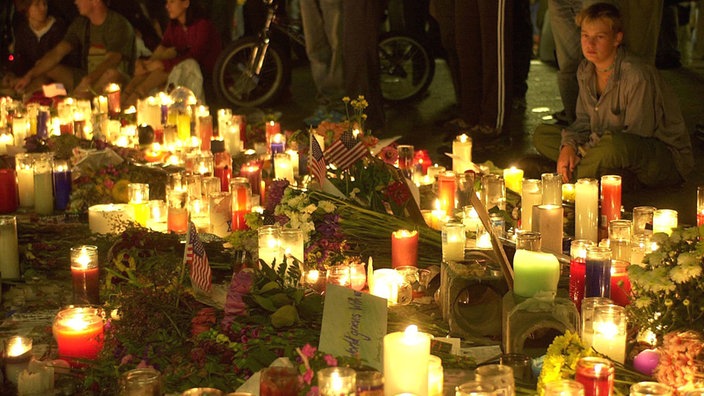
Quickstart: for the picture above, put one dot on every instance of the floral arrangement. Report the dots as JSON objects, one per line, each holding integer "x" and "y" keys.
{"x": 681, "y": 362}
{"x": 668, "y": 286}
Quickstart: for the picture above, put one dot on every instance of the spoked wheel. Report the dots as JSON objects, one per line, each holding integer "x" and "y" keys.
{"x": 236, "y": 79}
{"x": 407, "y": 69}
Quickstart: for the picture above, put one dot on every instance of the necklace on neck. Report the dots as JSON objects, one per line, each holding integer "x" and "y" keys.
{"x": 608, "y": 69}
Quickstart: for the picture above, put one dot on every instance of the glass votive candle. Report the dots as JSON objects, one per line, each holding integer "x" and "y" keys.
{"x": 597, "y": 281}
{"x": 620, "y": 239}
{"x": 664, "y": 220}
{"x": 138, "y": 194}
{"x": 520, "y": 364}
{"x": 528, "y": 240}
{"x": 278, "y": 381}
{"x": 269, "y": 244}
{"x": 336, "y": 381}
{"x": 339, "y": 275}
{"x": 476, "y": 388}
{"x": 700, "y": 206}
{"x": 177, "y": 212}
{"x": 650, "y": 388}
{"x": 578, "y": 260}
{"x": 565, "y": 387}
{"x": 609, "y": 326}
{"x": 370, "y": 383}
{"x": 498, "y": 375}
{"x": 79, "y": 332}
{"x": 85, "y": 275}
{"x": 17, "y": 354}
{"x": 596, "y": 375}
{"x": 358, "y": 276}
{"x": 493, "y": 193}
{"x": 141, "y": 382}
{"x": 220, "y": 213}
{"x": 587, "y": 316}
{"x": 643, "y": 220}
{"x": 292, "y": 244}
{"x": 315, "y": 279}
{"x": 203, "y": 392}
{"x": 157, "y": 215}
{"x": 453, "y": 241}
{"x": 435, "y": 376}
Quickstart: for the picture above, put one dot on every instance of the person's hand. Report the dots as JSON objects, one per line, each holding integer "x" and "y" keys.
{"x": 566, "y": 162}
{"x": 139, "y": 67}
{"x": 153, "y": 65}
{"x": 22, "y": 83}
{"x": 84, "y": 88}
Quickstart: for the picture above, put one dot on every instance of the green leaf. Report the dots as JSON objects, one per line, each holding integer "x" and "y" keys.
{"x": 284, "y": 316}
{"x": 311, "y": 306}
{"x": 281, "y": 299}
{"x": 264, "y": 303}
{"x": 269, "y": 286}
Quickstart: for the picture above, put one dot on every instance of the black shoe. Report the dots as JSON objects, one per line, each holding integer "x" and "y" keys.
{"x": 561, "y": 118}
{"x": 483, "y": 133}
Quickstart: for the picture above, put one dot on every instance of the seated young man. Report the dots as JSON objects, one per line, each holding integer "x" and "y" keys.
{"x": 105, "y": 40}
{"x": 628, "y": 120}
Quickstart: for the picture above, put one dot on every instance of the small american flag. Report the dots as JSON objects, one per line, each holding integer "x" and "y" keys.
{"x": 196, "y": 259}
{"x": 345, "y": 151}
{"x": 317, "y": 160}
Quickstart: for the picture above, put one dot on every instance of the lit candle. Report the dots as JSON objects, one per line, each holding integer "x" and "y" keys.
{"x": 292, "y": 244}
{"x": 43, "y": 184}
{"x": 9, "y": 259}
{"x": 664, "y": 220}
{"x": 295, "y": 159}
{"x": 269, "y": 247}
{"x": 85, "y": 275}
{"x": 434, "y": 171}
{"x": 700, "y": 199}
{"x": 20, "y": 130}
{"x": 447, "y": 185}
{"x": 620, "y": 284}
{"x": 283, "y": 169}
{"x": 278, "y": 144}
{"x": 112, "y": 91}
{"x": 25, "y": 179}
{"x": 78, "y": 333}
{"x": 138, "y": 194}
{"x": 385, "y": 284}
{"x": 535, "y": 272}
{"x": 531, "y": 195}
{"x": 108, "y": 218}
{"x": 177, "y": 211}
{"x": 101, "y": 104}
{"x": 62, "y": 184}
{"x": 8, "y": 191}
{"x": 435, "y": 376}
{"x": 315, "y": 280}
{"x": 586, "y": 207}
{"x": 513, "y": 178}
{"x": 406, "y": 356}
{"x": 462, "y": 154}
{"x": 471, "y": 219}
{"x": 483, "y": 239}
{"x": 596, "y": 374}
{"x": 253, "y": 172}
{"x": 404, "y": 248}
{"x": 610, "y": 332}
{"x": 336, "y": 381}
{"x": 358, "y": 276}
{"x": 568, "y": 192}
{"x": 453, "y": 242}
{"x": 271, "y": 128}
{"x": 493, "y": 192}
{"x": 620, "y": 239}
{"x": 241, "y": 202}
{"x": 205, "y": 131}
{"x": 18, "y": 353}
{"x": 6, "y": 139}
{"x": 548, "y": 220}
{"x": 157, "y": 215}
{"x": 578, "y": 262}
{"x": 610, "y": 199}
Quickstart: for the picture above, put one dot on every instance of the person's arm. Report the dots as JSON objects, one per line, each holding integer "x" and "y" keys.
{"x": 111, "y": 61}
{"x": 46, "y": 63}
{"x": 639, "y": 103}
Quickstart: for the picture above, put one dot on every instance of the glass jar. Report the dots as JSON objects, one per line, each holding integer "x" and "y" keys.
{"x": 141, "y": 382}
{"x": 528, "y": 240}
{"x": 578, "y": 268}
{"x": 596, "y": 375}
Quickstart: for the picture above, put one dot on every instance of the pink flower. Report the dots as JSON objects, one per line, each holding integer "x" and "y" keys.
{"x": 308, "y": 350}
{"x": 313, "y": 391}
{"x": 308, "y": 376}
{"x": 108, "y": 184}
{"x": 126, "y": 359}
{"x": 389, "y": 154}
{"x": 330, "y": 360}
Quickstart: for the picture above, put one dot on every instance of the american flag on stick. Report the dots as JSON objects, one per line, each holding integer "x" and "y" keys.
{"x": 345, "y": 151}
{"x": 317, "y": 160}
{"x": 196, "y": 259}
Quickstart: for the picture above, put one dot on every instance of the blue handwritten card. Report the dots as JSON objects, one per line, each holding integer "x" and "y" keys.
{"x": 354, "y": 324}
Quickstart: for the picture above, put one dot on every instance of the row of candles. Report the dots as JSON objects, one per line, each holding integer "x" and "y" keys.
{"x": 39, "y": 182}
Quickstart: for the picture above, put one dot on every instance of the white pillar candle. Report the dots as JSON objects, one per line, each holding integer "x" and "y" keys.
{"x": 25, "y": 179}
{"x": 609, "y": 329}
{"x": 664, "y": 220}
{"x": 385, "y": 284}
{"x": 108, "y": 218}
{"x": 462, "y": 154}
{"x": 233, "y": 139}
{"x": 513, "y": 178}
{"x": 293, "y": 154}
{"x": 453, "y": 241}
{"x": 283, "y": 169}
{"x": 434, "y": 171}
{"x": 9, "y": 259}
{"x": 549, "y": 223}
{"x": 43, "y": 190}
{"x": 269, "y": 247}
{"x": 406, "y": 356}
{"x": 20, "y": 129}
{"x": 586, "y": 207}
{"x": 435, "y": 376}
{"x": 6, "y": 139}
{"x": 531, "y": 195}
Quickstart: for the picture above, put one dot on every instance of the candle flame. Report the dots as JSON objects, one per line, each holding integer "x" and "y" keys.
{"x": 83, "y": 259}
{"x": 18, "y": 346}
{"x": 312, "y": 276}
{"x": 411, "y": 331}
{"x": 277, "y": 138}
{"x": 463, "y": 138}
{"x": 76, "y": 322}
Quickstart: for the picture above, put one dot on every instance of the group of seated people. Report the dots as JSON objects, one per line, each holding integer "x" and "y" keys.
{"x": 100, "y": 47}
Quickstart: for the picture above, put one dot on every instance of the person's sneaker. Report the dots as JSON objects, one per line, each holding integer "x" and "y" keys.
{"x": 561, "y": 118}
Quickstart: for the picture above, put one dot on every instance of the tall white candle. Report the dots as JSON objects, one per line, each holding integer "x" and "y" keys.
{"x": 549, "y": 224}
{"x": 586, "y": 207}
{"x": 531, "y": 195}
{"x": 9, "y": 259}
{"x": 552, "y": 188}
{"x": 25, "y": 179}
{"x": 385, "y": 283}
{"x": 43, "y": 185}
{"x": 609, "y": 328}
{"x": 283, "y": 169}
{"x": 462, "y": 154}
{"x": 453, "y": 242}
{"x": 406, "y": 356}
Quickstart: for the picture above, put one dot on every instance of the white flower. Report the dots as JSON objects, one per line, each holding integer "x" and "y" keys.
{"x": 642, "y": 302}
{"x": 683, "y": 272}
{"x": 326, "y": 206}
{"x": 656, "y": 258}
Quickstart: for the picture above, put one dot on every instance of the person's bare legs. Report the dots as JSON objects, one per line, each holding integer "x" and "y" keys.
{"x": 152, "y": 80}
{"x": 59, "y": 74}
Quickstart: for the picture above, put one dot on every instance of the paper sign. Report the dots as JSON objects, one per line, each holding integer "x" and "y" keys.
{"x": 354, "y": 325}
{"x": 55, "y": 89}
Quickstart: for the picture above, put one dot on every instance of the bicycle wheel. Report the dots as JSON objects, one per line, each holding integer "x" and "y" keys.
{"x": 407, "y": 69}
{"x": 236, "y": 80}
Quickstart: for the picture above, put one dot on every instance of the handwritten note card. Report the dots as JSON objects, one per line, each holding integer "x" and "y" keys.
{"x": 354, "y": 324}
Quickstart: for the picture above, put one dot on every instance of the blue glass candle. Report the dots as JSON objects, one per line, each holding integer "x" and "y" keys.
{"x": 62, "y": 184}
{"x": 597, "y": 282}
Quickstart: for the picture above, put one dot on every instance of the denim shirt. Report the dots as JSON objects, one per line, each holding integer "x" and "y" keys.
{"x": 635, "y": 100}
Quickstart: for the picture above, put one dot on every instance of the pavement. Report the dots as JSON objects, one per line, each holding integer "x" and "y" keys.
{"x": 420, "y": 124}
